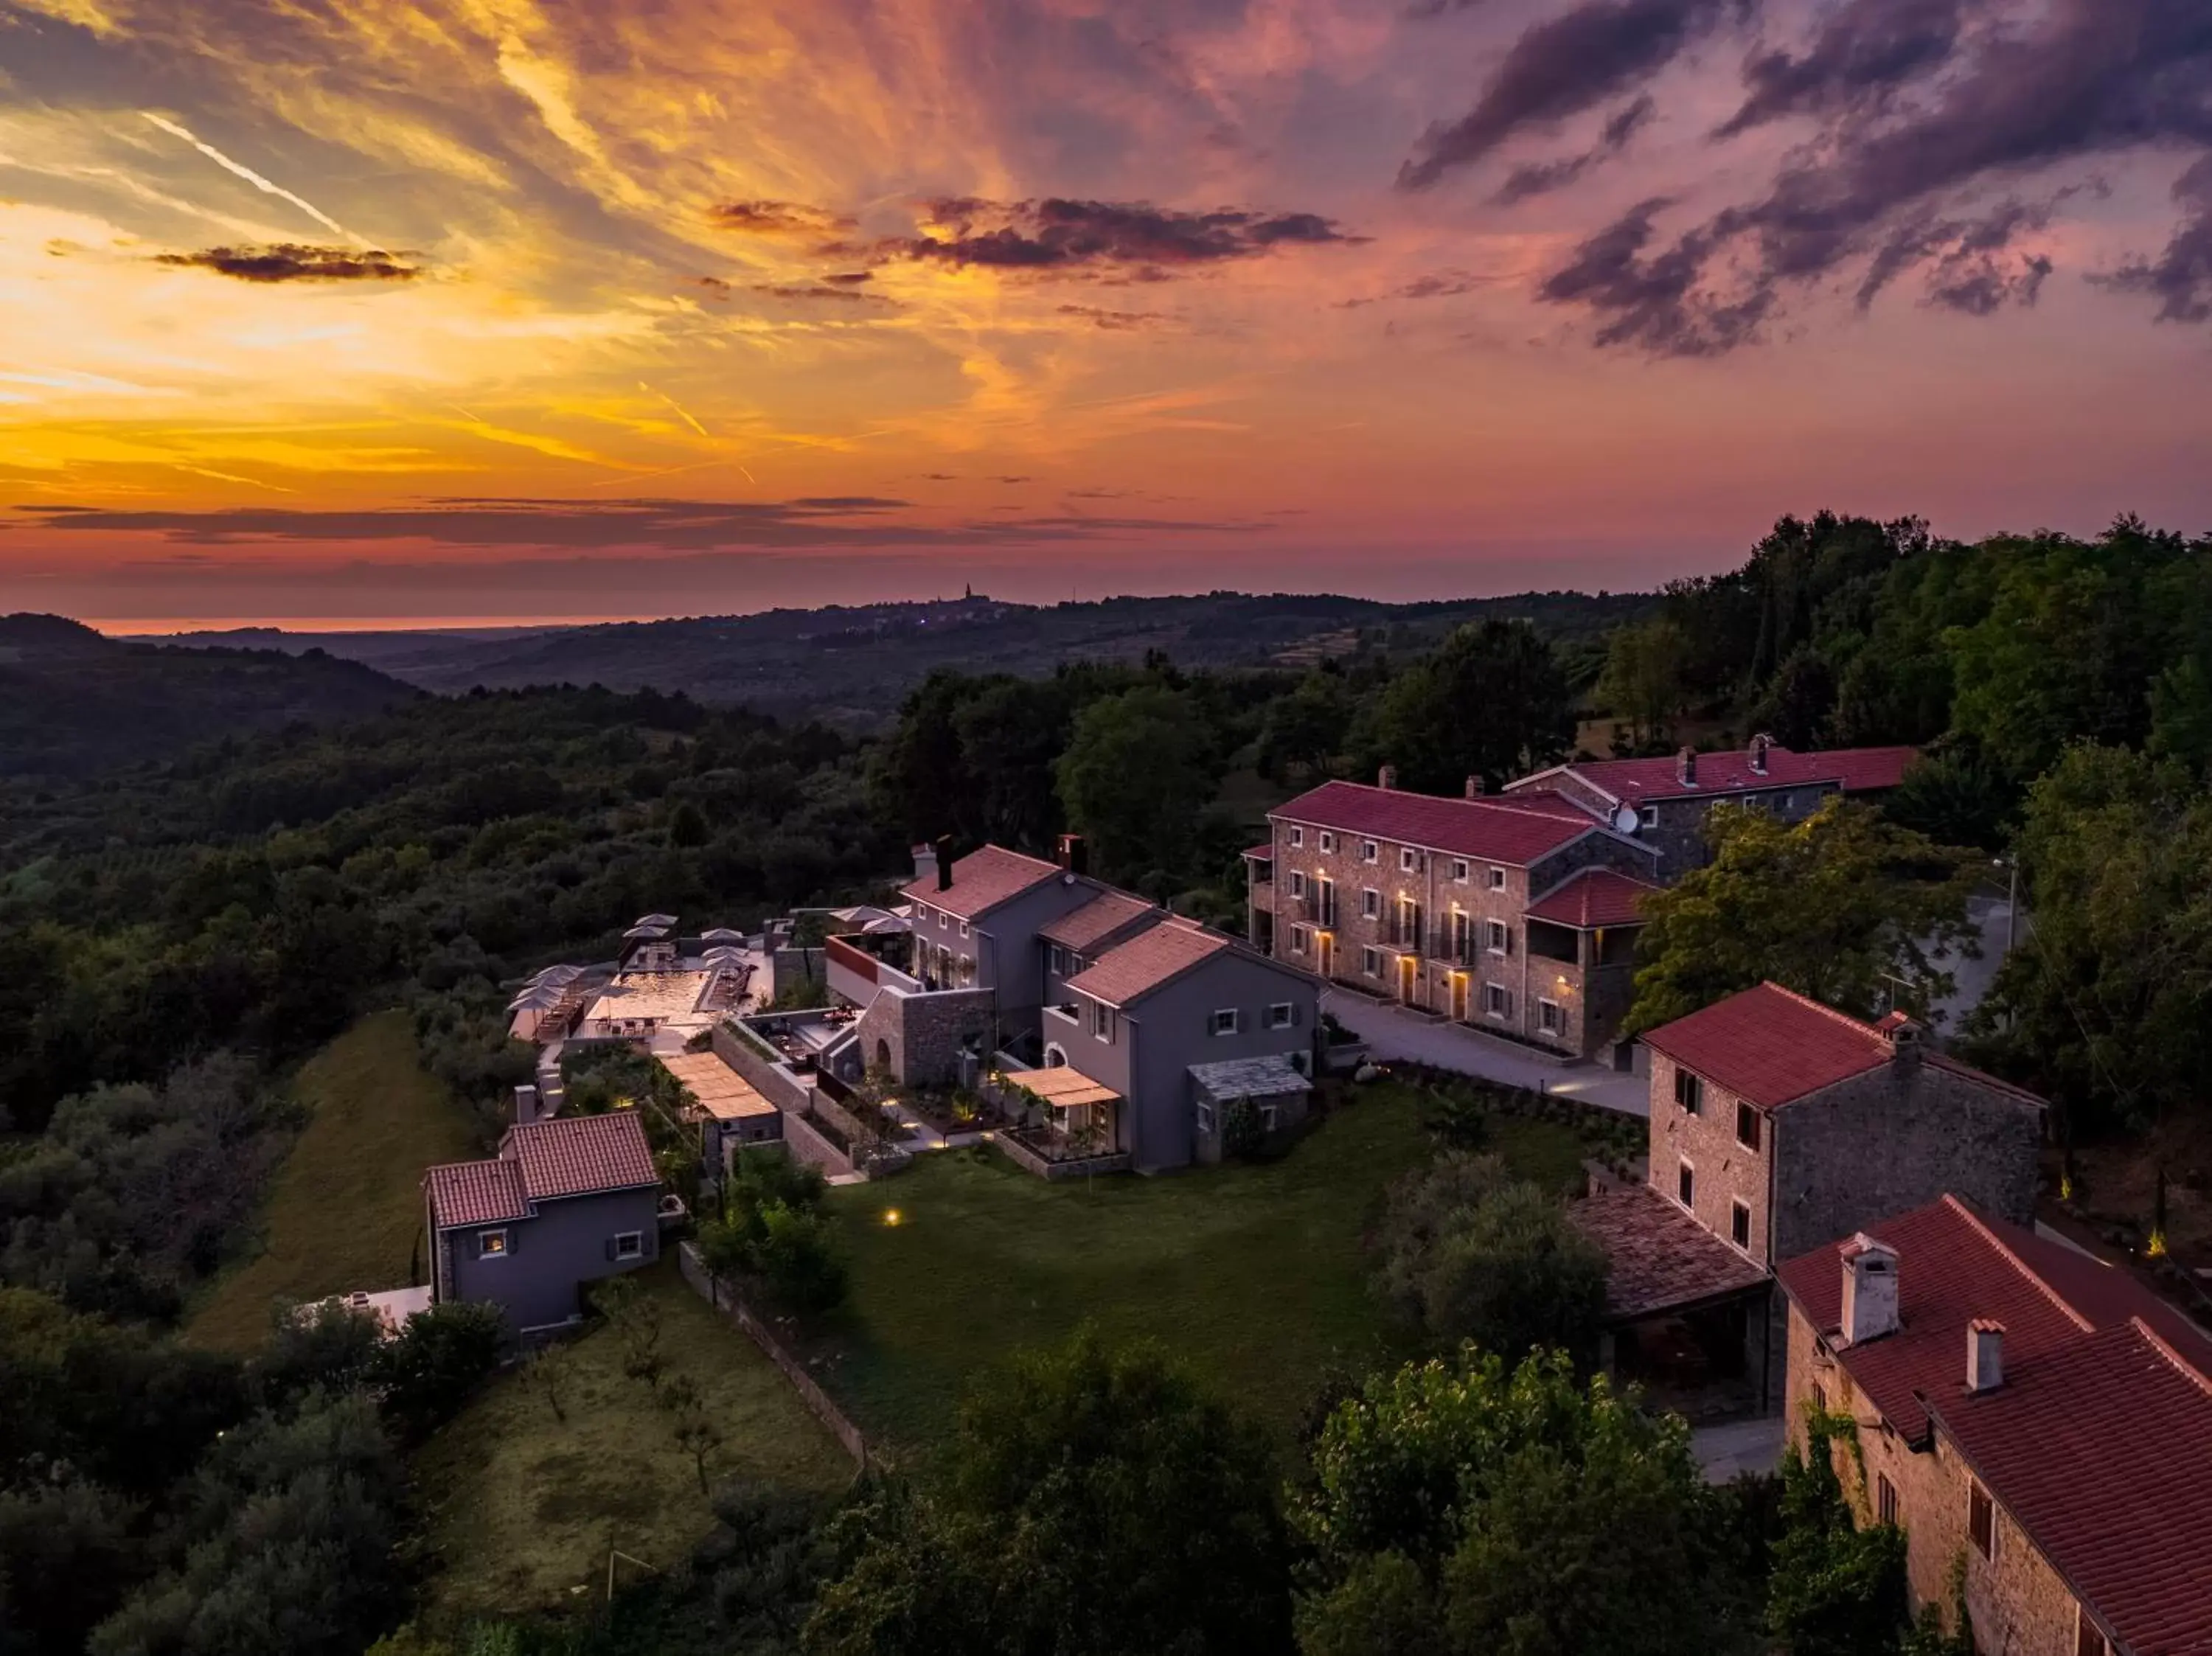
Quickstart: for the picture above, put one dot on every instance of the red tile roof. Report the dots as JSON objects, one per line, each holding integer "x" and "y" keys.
{"x": 1266, "y": 850}
{"x": 581, "y": 1155}
{"x": 1661, "y": 1259}
{"x": 1640, "y": 781}
{"x": 1594, "y": 897}
{"x": 1497, "y": 830}
{"x": 476, "y": 1193}
{"x": 1103, "y": 916}
{"x": 1129, "y": 971}
{"x": 2099, "y": 1441}
{"x": 1771, "y": 1045}
{"x": 984, "y": 878}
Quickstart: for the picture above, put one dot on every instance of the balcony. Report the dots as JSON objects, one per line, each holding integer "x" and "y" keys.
{"x": 1403, "y": 929}
{"x": 1454, "y": 944}
{"x": 1318, "y": 906}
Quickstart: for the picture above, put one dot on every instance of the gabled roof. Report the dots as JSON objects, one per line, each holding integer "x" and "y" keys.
{"x": 1771, "y": 1045}
{"x": 1497, "y": 830}
{"x": 1593, "y": 897}
{"x": 476, "y": 1193}
{"x": 1097, "y": 920}
{"x": 580, "y": 1155}
{"x": 1129, "y": 971}
{"x": 984, "y": 878}
{"x": 1661, "y": 1259}
{"x": 2099, "y": 1439}
{"x": 1642, "y": 781}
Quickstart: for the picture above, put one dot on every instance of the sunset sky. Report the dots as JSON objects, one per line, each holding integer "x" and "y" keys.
{"x": 354, "y": 310}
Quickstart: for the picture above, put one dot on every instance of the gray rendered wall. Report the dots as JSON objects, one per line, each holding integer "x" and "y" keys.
{"x": 564, "y": 1244}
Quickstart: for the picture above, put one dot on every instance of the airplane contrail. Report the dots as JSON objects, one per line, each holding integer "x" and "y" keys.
{"x": 253, "y": 178}
{"x": 232, "y": 478}
{"x": 678, "y": 407}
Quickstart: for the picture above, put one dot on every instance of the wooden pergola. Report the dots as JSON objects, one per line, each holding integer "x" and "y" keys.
{"x": 1074, "y": 1098}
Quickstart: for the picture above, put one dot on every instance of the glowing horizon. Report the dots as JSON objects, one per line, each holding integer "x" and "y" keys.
{"x": 417, "y": 310}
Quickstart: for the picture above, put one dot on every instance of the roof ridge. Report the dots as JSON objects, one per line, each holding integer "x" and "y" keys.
{"x": 2005, "y": 1252}
{"x": 2189, "y": 1371}
{"x": 1859, "y": 1026}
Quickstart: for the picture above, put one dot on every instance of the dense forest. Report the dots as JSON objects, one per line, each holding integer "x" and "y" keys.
{"x": 183, "y": 921}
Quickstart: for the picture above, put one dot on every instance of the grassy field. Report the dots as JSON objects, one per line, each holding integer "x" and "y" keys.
{"x": 1252, "y": 1275}
{"x": 347, "y": 1203}
{"x": 522, "y": 1506}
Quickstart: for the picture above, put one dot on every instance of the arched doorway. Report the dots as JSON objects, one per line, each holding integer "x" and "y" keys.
{"x": 883, "y": 1055}
{"x": 1054, "y": 1059}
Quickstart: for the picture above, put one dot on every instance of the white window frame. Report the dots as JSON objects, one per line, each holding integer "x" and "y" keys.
{"x": 1101, "y": 1022}
{"x": 1301, "y": 938}
{"x": 1054, "y": 960}
{"x": 1497, "y": 937}
{"x": 1551, "y": 1017}
{"x": 636, "y": 1248}
{"x": 1648, "y": 817}
{"x": 1281, "y": 1014}
{"x": 1297, "y": 837}
{"x": 1497, "y": 879}
{"x": 1204, "y": 1119}
{"x": 1497, "y": 1001}
{"x": 1298, "y": 883}
{"x": 1224, "y": 1021}
{"x": 1460, "y": 872}
{"x": 1370, "y": 903}
{"x": 1327, "y": 840}
{"x": 1370, "y": 962}
{"x": 1370, "y": 852}
{"x": 1409, "y": 860}
{"x": 1269, "y": 1116}
{"x": 944, "y": 921}
{"x": 484, "y": 1248}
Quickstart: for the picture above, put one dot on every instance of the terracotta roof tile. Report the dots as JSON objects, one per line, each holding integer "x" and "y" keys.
{"x": 1661, "y": 1257}
{"x": 1771, "y": 1045}
{"x": 1495, "y": 829}
{"x": 476, "y": 1192}
{"x": 1100, "y": 918}
{"x": 1128, "y": 972}
{"x": 1594, "y": 897}
{"x": 984, "y": 878}
{"x": 1640, "y": 781}
{"x": 2099, "y": 1441}
{"x": 580, "y": 1155}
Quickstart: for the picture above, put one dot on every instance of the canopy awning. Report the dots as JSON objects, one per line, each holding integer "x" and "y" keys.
{"x": 1063, "y": 1089}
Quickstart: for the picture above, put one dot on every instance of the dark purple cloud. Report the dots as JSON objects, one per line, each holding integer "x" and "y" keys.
{"x": 1865, "y": 50}
{"x": 1057, "y": 234}
{"x": 1561, "y": 67}
{"x": 1540, "y": 177}
{"x": 1113, "y": 321}
{"x": 2180, "y": 278}
{"x": 289, "y": 261}
{"x": 777, "y": 218}
{"x": 1898, "y": 183}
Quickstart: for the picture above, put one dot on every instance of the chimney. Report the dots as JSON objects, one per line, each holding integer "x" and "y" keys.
{"x": 525, "y": 1104}
{"x": 1759, "y": 745}
{"x": 1475, "y": 787}
{"x": 1387, "y": 777}
{"x": 945, "y": 862}
{"x": 1074, "y": 854}
{"x": 1685, "y": 767}
{"x": 1870, "y": 1290}
{"x": 924, "y": 861}
{"x": 1904, "y": 1036}
{"x": 1985, "y": 1355}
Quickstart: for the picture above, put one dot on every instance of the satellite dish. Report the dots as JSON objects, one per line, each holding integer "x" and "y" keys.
{"x": 1625, "y": 819}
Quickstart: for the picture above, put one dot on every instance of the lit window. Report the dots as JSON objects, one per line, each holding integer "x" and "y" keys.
{"x": 1746, "y": 1126}
{"x": 1497, "y": 879}
{"x": 1281, "y": 1015}
{"x": 629, "y": 1244}
{"x": 1740, "y": 1225}
{"x": 1459, "y": 869}
{"x": 1689, "y": 1091}
{"x": 1685, "y": 1184}
{"x": 1885, "y": 1499}
{"x": 490, "y": 1244}
{"x": 1225, "y": 1021}
{"x": 1549, "y": 1018}
{"x": 1981, "y": 1521}
{"x": 1297, "y": 839}
{"x": 1370, "y": 962}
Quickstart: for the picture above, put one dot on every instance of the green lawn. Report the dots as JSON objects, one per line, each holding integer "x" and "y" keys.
{"x": 522, "y": 1506}
{"x": 347, "y": 1204}
{"x": 1252, "y": 1275}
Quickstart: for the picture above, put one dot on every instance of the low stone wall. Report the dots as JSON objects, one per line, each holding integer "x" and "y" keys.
{"x": 807, "y": 1145}
{"x": 770, "y": 1078}
{"x": 726, "y": 1299}
{"x": 1029, "y": 1162}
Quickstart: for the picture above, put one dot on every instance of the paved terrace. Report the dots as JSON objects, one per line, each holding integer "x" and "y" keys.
{"x": 1391, "y": 1032}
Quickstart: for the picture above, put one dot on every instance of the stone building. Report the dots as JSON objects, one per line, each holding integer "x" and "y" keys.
{"x": 1513, "y": 916}
{"x": 1777, "y": 1124}
{"x": 2021, "y": 1410}
{"x": 1663, "y": 802}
